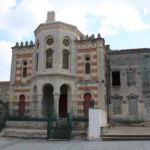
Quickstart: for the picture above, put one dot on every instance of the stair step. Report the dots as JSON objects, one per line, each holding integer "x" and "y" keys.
{"x": 59, "y": 134}
{"x": 125, "y": 138}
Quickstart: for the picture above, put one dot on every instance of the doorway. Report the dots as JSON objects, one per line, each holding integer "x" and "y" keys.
{"x": 87, "y": 104}
{"x": 21, "y": 106}
{"x": 48, "y": 100}
{"x": 63, "y": 101}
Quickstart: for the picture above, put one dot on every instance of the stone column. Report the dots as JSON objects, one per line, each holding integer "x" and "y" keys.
{"x": 39, "y": 106}
{"x": 56, "y": 104}
{"x": 73, "y": 105}
{"x": 33, "y": 105}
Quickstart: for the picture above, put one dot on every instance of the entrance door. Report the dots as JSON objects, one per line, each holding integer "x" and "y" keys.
{"x": 48, "y": 100}
{"x": 87, "y": 104}
{"x": 63, "y": 106}
{"x": 22, "y": 106}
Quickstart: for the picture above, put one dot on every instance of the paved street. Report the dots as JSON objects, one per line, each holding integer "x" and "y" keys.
{"x": 30, "y": 144}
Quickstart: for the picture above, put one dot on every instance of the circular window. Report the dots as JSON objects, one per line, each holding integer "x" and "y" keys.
{"x": 50, "y": 41}
{"x": 25, "y": 63}
{"x": 66, "y": 42}
{"x": 87, "y": 58}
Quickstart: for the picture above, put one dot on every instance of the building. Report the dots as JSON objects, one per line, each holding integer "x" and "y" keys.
{"x": 64, "y": 70}
{"x": 4, "y": 98}
{"x": 4, "y": 91}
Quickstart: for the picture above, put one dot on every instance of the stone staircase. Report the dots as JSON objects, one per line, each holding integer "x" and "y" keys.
{"x": 38, "y": 129}
{"x": 60, "y": 130}
{"x": 25, "y": 129}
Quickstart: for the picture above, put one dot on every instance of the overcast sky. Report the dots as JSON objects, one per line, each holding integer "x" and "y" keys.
{"x": 124, "y": 24}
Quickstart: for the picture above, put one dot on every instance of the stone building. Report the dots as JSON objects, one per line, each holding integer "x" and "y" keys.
{"x": 4, "y": 98}
{"x": 129, "y": 84}
{"x": 4, "y": 91}
{"x": 65, "y": 70}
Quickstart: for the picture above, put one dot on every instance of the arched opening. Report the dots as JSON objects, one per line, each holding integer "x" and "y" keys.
{"x": 87, "y": 104}
{"x": 48, "y": 100}
{"x": 22, "y": 105}
{"x": 63, "y": 101}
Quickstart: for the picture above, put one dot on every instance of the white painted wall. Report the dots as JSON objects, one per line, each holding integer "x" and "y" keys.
{"x": 94, "y": 124}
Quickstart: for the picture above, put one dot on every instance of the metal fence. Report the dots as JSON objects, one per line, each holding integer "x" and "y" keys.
{"x": 33, "y": 111}
{"x": 37, "y": 111}
{"x": 3, "y": 115}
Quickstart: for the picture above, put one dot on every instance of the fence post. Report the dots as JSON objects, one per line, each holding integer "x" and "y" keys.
{"x": 48, "y": 126}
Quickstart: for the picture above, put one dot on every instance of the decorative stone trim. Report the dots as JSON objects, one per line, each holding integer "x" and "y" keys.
{"x": 57, "y": 25}
{"x": 54, "y": 76}
{"x": 129, "y": 51}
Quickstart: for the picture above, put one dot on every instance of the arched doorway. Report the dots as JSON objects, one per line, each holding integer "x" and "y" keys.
{"x": 21, "y": 105}
{"x": 48, "y": 100}
{"x": 87, "y": 104}
{"x": 63, "y": 101}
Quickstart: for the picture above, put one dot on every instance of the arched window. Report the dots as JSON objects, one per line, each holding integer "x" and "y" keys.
{"x": 87, "y": 65}
{"x": 65, "y": 59}
{"x": 49, "y": 58}
{"x": 87, "y": 68}
{"x": 37, "y": 59}
{"x": 24, "y": 69}
{"x": 131, "y": 76}
{"x": 117, "y": 104}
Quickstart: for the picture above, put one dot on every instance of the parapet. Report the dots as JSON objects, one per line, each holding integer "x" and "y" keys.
{"x": 26, "y": 44}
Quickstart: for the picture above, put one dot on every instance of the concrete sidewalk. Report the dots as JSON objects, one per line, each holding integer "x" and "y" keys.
{"x": 30, "y": 144}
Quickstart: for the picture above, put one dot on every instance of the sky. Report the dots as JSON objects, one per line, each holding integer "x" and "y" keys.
{"x": 125, "y": 24}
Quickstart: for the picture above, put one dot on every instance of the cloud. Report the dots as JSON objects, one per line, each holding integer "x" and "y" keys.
{"x": 5, "y": 6}
{"x": 5, "y": 59}
{"x": 146, "y": 11}
{"x": 73, "y": 14}
{"x": 121, "y": 15}
{"x": 22, "y": 20}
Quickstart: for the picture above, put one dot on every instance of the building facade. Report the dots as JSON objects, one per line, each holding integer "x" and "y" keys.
{"x": 64, "y": 70}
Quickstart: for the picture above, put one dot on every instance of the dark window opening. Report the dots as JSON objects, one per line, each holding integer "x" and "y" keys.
{"x": 116, "y": 78}
{"x": 87, "y": 68}
{"x": 49, "y": 58}
{"x": 65, "y": 59}
{"x": 24, "y": 72}
{"x": 37, "y": 57}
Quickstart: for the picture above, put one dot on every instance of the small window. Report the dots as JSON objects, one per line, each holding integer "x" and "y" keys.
{"x": 87, "y": 68}
{"x": 66, "y": 42}
{"x": 87, "y": 58}
{"x": 130, "y": 77}
{"x": 116, "y": 78}
{"x": 24, "y": 69}
{"x": 49, "y": 58}
{"x": 37, "y": 44}
{"x": 65, "y": 59}
{"x": 50, "y": 41}
{"x": 87, "y": 65}
{"x": 37, "y": 61}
